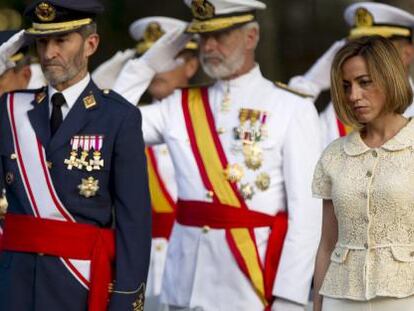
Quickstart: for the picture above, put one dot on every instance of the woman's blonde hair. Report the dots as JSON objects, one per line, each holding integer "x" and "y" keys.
{"x": 386, "y": 70}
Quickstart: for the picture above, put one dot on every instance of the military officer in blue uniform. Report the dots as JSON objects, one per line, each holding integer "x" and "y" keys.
{"x": 77, "y": 232}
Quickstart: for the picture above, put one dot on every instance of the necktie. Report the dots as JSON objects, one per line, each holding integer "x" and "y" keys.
{"x": 57, "y": 117}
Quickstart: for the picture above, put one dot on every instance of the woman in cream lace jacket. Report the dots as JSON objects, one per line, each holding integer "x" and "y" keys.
{"x": 365, "y": 258}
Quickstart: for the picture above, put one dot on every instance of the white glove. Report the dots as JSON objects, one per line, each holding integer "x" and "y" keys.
{"x": 106, "y": 73}
{"x": 320, "y": 72}
{"x": 161, "y": 57}
{"x": 285, "y": 305}
{"x": 8, "y": 49}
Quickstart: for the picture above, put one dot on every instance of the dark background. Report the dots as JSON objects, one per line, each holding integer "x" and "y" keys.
{"x": 294, "y": 33}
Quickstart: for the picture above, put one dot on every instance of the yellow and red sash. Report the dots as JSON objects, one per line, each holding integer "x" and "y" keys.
{"x": 211, "y": 160}
{"x": 342, "y": 128}
{"x": 163, "y": 205}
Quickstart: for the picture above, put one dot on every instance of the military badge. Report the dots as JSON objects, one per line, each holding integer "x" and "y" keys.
{"x": 45, "y": 12}
{"x": 89, "y": 187}
{"x": 138, "y": 304}
{"x": 263, "y": 181}
{"x": 153, "y": 32}
{"x": 363, "y": 18}
{"x": 89, "y": 101}
{"x": 73, "y": 158}
{"x": 202, "y": 9}
{"x": 234, "y": 173}
{"x": 247, "y": 191}
{"x": 253, "y": 156}
{"x": 96, "y": 163}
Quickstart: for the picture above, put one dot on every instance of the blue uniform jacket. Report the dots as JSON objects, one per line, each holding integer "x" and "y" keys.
{"x": 39, "y": 282}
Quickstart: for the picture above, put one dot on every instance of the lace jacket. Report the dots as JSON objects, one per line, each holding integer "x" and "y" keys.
{"x": 372, "y": 190}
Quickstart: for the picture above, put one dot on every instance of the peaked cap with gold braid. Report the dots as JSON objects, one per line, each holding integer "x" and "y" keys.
{"x": 146, "y": 31}
{"x": 51, "y": 17}
{"x": 217, "y": 15}
{"x": 369, "y": 18}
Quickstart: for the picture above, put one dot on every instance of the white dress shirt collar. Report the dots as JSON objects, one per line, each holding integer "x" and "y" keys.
{"x": 71, "y": 94}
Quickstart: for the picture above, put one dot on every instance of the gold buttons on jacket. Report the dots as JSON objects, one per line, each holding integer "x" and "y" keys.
{"x": 13, "y": 156}
{"x": 49, "y": 164}
{"x": 206, "y": 229}
{"x": 366, "y": 245}
{"x": 369, "y": 174}
{"x": 374, "y": 153}
{"x": 9, "y": 178}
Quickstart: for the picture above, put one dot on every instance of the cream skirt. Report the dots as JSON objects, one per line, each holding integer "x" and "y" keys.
{"x": 377, "y": 304}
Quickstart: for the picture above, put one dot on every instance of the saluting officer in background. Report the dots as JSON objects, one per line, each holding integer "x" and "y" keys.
{"x": 364, "y": 19}
{"x": 74, "y": 167}
{"x": 244, "y": 152}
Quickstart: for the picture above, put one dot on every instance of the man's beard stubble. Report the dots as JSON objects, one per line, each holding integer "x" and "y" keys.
{"x": 68, "y": 72}
{"x": 227, "y": 67}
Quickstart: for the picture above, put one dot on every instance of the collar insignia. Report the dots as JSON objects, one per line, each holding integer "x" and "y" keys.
{"x": 89, "y": 101}
{"x": 202, "y": 9}
{"x": 363, "y": 18}
{"x": 45, "y": 12}
{"x": 40, "y": 97}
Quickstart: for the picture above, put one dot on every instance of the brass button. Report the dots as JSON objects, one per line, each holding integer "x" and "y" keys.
{"x": 159, "y": 248}
{"x": 106, "y": 91}
{"x": 9, "y": 178}
{"x": 374, "y": 153}
{"x": 206, "y": 229}
{"x": 210, "y": 194}
{"x": 49, "y": 164}
{"x": 369, "y": 174}
{"x": 13, "y": 156}
{"x": 221, "y": 130}
{"x": 366, "y": 245}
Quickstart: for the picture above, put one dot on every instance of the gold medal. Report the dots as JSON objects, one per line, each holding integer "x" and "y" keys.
{"x": 89, "y": 187}
{"x": 247, "y": 191}
{"x": 253, "y": 156}
{"x": 263, "y": 181}
{"x": 234, "y": 173}
{"x": 82, "y": 162}
{"x": 73, "y": 160}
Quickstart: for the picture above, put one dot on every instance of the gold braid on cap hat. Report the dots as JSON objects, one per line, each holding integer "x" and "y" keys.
{"x": 365, "y": 26}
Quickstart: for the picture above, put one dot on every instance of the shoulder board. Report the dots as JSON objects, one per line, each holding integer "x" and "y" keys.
{"x": 291, "y": 90}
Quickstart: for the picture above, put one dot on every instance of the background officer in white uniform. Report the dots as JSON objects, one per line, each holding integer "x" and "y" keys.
{"x": 201, "y": 271}
{"x": 146, "y": 31}
{"x": 364, "y": 19}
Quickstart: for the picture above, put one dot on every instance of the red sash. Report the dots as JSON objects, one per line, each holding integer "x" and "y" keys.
{"x": 211, "y": 161}
{"x": 163, "y": 205}
{"x": 67, "y": 240}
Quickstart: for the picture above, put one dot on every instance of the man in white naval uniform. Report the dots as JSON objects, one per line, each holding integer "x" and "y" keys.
{"x": 202, "y": 271}
{"x": 146, "y": 31}
{"x": 364, "y": 19}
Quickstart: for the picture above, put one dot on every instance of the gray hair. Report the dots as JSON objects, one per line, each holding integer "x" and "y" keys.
{"x": 253, "y": 25}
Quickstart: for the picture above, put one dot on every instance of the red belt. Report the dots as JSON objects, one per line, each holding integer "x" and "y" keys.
{"x": 221, "y": 216}
{"x": 70, "y": 241}
{"x": 162, "y": 224}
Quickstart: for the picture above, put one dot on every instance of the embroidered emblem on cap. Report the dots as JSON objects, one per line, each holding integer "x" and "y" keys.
{"x": 363, "y": 18}
{"x": 153, "y": 32}
{"x": 202, "y": 9}
{"x": 45, "y": 12}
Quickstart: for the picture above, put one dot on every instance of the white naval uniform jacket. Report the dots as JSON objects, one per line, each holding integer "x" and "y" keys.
{"x": 329, "y": 125}
{"x": 200, "y": 268}
{"x": 159, "y": 246}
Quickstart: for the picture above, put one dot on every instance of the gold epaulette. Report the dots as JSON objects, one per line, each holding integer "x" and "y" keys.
{"x": 291, "y": 90}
